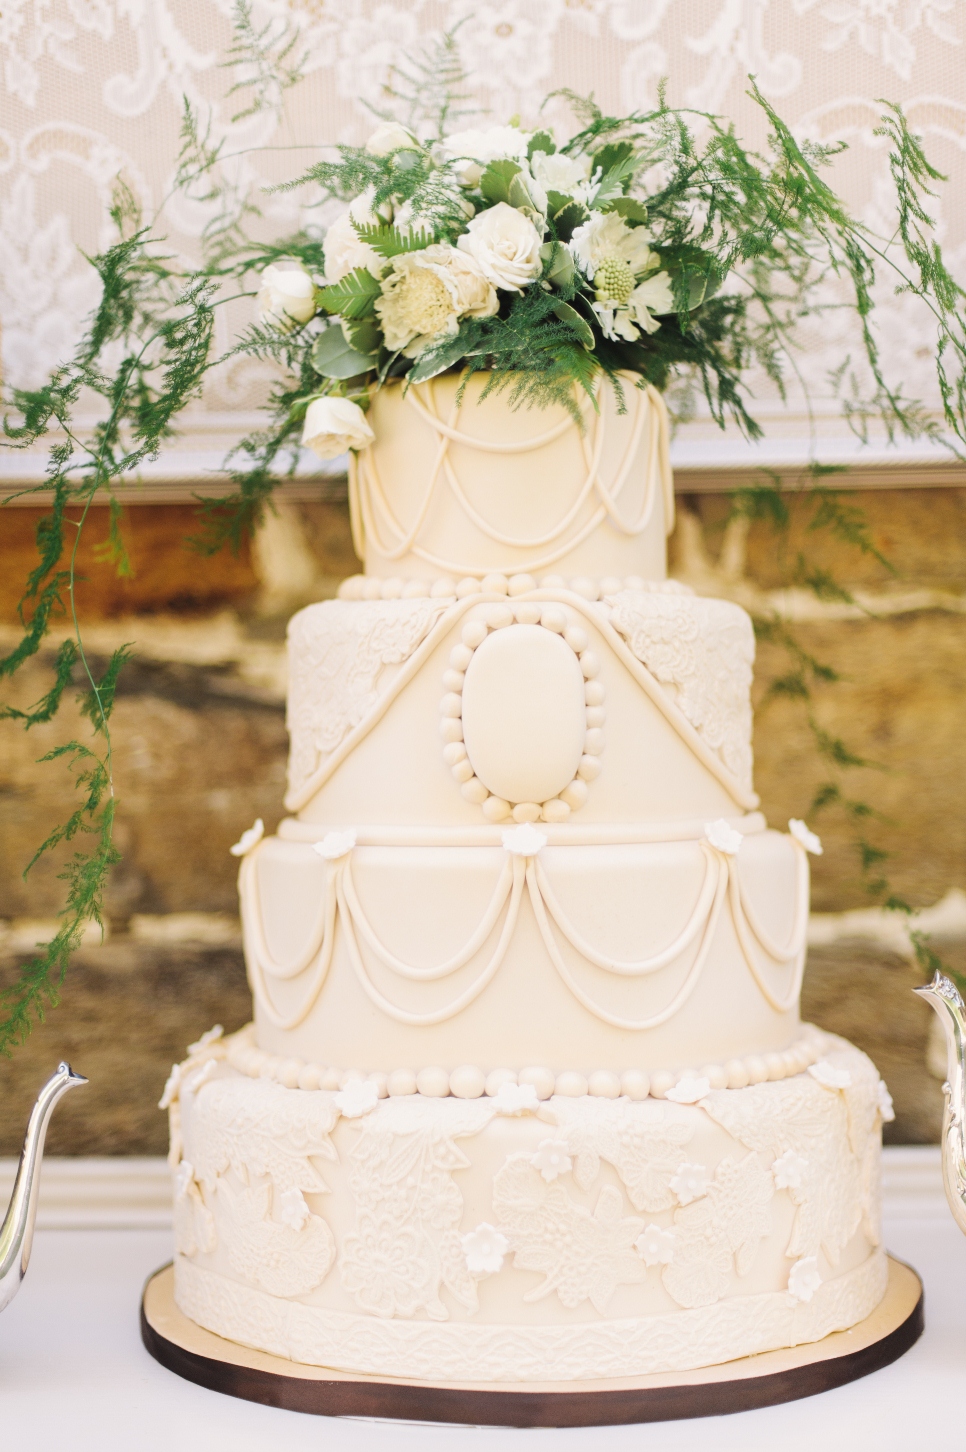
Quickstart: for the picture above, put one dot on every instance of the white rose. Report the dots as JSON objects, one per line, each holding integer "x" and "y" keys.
{"x": 473, "y": 149}
{"x": 344, "y": 249}
{"x": 559, "y": 173}
{"x": 427, "y": 293}
{"x": 506, "y": 245}
{"x": 606, "y": 237}
{"x": 333, "y": 425}
{"x": 390, "y": 137}
{"x": 286, "y": 296}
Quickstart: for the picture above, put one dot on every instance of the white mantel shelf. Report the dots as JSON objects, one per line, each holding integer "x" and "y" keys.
{"x": 73, "y": 1373}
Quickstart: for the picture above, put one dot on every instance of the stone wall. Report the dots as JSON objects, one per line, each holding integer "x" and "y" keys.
{"x": 200, "y": 752}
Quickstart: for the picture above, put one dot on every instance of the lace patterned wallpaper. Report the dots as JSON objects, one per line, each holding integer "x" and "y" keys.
{"x": 94, "y": 87}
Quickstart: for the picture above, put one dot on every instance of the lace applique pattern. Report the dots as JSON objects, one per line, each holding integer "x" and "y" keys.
{"x": 583, "y": 1256}
{"x": 719, "y": 1233}
{"x": 644, "y": 1142}
{"x": 260, "y": 1129}
{"x": 265, "y": 1253}
{"x": 337, "y": 652}
{"x": 406, "y": 1242}
{"x": 702, "y": 652}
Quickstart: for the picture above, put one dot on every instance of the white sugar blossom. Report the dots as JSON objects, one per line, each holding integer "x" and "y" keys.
{"x": 206, "y": 1040}
{"x": 357, "y": 1098}
{"x": 286, "y": 296}
{"x": 195, "y": 1075}
{"x": 555, "y": 172}
{"x": 827, "y": 1075}
{"x": 293, "y": 1210}
{"x": 344, "y": 249}
{"x": 552, "y": 1158}
{"x": 484, "y": 1249}
{"x": 474, "y": 148}
{"x": 427, "y": 292}
{"x": 171, "y": 1088}
{"x": 690, "y": 1182}
{"x": 655, "y": 1246}
{"x": 689, "y": 1089}
{"x": 390, "y": 137}
{"x": 788, "y": 1170}
{"x": 809, "y": 840}
{"x": 516, "y": 1099}
{"x": 333, "y": 426}
{"x": 183, "y": 1179}
{"x": 804, "y": 1279}
{"x": 722, "y": 835}
{"x": 506, "y": 246}
{"x": 248, "y": 839}
{"x": 884, "y": 1103}
{"x": 606, "y": 240}
{"x": 336, "y": 844}
{"x": 525, "y": 840}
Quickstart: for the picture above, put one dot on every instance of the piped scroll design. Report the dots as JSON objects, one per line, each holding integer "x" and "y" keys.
{"x": 340, "y": 900}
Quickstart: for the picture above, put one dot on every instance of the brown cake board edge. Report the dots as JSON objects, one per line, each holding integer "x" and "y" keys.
{"x": 753, "y": 1381}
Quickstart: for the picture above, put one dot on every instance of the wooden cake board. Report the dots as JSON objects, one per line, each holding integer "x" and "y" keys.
{"x": 753, "y": 1381}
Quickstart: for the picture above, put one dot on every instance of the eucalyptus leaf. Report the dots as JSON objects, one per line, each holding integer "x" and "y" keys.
{"x": 334, "y": 357}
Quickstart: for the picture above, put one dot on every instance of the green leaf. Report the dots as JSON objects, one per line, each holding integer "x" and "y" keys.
{"x": 569, "y": 315}
{"x": 633, "y": 211}
{"x": 334, "y": 357}
{"x": 541, "y": 141}
{"x": 496, "y": 179}
{"x": 388, "y": 241}
{"x": 437, "y": 359}
{"x": 353, "y": 296}
{"x": 364, "y": 334}
{"x": 568, "y": 216}
{"x": 561, "y": 273}
{"x": 617, "y": 163}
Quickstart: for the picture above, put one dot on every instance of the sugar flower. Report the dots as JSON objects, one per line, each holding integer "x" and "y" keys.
{"x": 333, "y": 426}
{"x": 690, "y": 1182}
{"x": 827, "y": 1075}
{"x": 248, "y": 839}
{"x": 804, "y": 1279}
{"x": 206, "y": 1041}
{"x": 357, "y": 1098}
{"x": 689, "y": 1089}
{"x": 552, "y": 1158}
{"x": 293, "y": 1210}
{"x": 884, "y": 1104}
{"x": 171, "y": 1088}
{"x": 788, "y": 1170}
{"x": 183, "y": 1179}
{"x": 525, "y": 840}
{"x": 722, "y": 835}
{"x": 516, "y": 1099}
{"x": 655, "y": 1246}
{"x": 809, "y": 840}
{"x": 485, "y": 1249}
{"x": 336, "y": 844}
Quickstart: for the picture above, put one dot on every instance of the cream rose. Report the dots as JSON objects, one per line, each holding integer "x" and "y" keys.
{"x": 506, "y": 246}
{"x": 333, "y": 425}
{"x": 426, "y": 294}
{"x": 390, "y": 137}
{"x": 476, "y": 147}
{"x": 286, "y": 296}
{"x": 344, "y": 249}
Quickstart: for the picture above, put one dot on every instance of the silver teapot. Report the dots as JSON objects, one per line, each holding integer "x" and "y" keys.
{"x": 948, "y": 1003}
{"x": 17, "y": 1231}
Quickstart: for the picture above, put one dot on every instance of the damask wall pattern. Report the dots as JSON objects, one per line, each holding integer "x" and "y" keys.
{"x": 94, "y": 88}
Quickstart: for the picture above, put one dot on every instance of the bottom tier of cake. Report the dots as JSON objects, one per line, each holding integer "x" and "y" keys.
{"x": 511, "y": 1239}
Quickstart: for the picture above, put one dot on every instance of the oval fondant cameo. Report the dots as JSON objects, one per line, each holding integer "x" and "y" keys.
{"x": 523, "y": 713}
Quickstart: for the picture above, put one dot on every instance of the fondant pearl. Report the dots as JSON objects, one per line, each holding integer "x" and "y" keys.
{"x": 495, "y": 809}
{"x": 462, "y": 771}
{"x": 635, "y": 582}
{"x": 594, "y": 741}
{"x": 381, "y": 1082}
{"x": 520, "y": 584}
{"x": 392, "y": 588}
{"x": 453, "y": 680}
{"x": 473, "y": 634}
{"x": 594, "y": 693}
{"x": 451, "y": 704}
{"x": 527, "y": 612}
{"x": 757, "y": 1071}
{"x": 555, "y": 810}
{"x": 576, "y": 638}
{"x": 372, "y": 589}
{"x": 596, "y": 715}
{"x": 575, "y": 795}
{"x": 570, "y": 1084}
{"x": 526, "y": 812}
{"x": 331, "y": 1079}
{"x": 474, "y": 791}
{"x": 310, "y": 1076}
{"x": 453, "y": 752}
{"x": 553, "y": 582}
{"x": 541, "y": 1079}
{"x": 589, "y": 768}
{"x": 715, "y": 1075}
{"x": 460, "y": 657}
{"x": 635, "y": 1084}
{"x": 588, "y": 589}
{"x": 443, "y": 588}
{"x": 351, "y": 589}
{"x": 661, "y": 1081}
{"x": 268, "y": 1067}
{"x": 496, "y": 1079}
{"x": 552, "y": 617}
{"x": 450, "y": 729}
{"x": 494, "y": 584}
{"x": 737, "y": 1073}
{"x": 775, "y": 1064}
{"x": 604, "y": 1084}
{"x": 401, "y": 1081}
{"x": 610, "y": 585}
{"x": 433, "y": 1083}
{"x": 288, "y": 1072}
{"x": 467, "y": 1082}
{"x": 415, "y": 590}
{"x": 498, "y": 617}
{"x": 467, "y": 586}
{"x": 589, "y": 664}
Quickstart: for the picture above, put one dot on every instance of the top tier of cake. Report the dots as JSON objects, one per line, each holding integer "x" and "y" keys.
{"x": 463, "y": 487}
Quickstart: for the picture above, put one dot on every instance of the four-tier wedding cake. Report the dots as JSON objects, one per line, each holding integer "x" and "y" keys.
{"x": 526, "y": 1097}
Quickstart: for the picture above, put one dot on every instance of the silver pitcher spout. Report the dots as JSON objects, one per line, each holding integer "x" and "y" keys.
{"x": 947, "y": 1001}
{"x": 17, "y": 1232}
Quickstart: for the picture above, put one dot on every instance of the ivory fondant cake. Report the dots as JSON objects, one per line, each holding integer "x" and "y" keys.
{"x": 526, "y": 1096}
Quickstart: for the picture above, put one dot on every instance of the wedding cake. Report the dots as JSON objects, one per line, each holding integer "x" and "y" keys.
{"x": 526, "y": 1097}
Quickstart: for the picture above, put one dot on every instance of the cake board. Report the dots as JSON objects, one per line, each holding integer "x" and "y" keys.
{"x": 753, "y": 1381}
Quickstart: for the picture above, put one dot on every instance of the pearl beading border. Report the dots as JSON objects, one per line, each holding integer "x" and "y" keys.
{"x": 496, "y": 617}
{"x": 471, "y": 1082}
{"x": 372, "y": 587}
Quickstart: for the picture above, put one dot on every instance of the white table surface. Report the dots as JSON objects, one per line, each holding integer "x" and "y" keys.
{"x": 74, "y": 1376}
